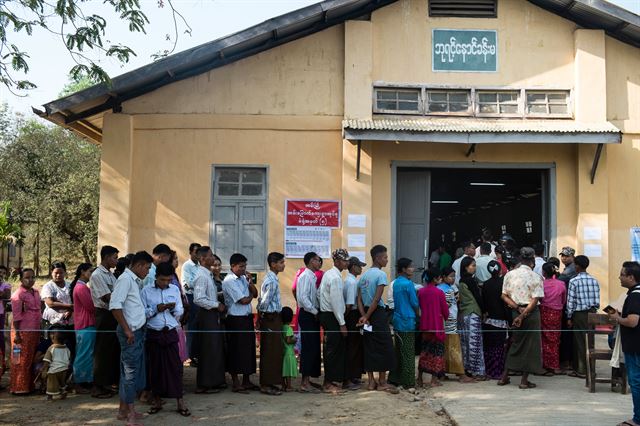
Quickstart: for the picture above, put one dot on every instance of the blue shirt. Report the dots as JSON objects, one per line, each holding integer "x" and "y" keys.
{"x": 152, "y": 296}
{"x": 270, "y": 294}
{"x": 406, "y": 303}
{"x": 150, "y": 279}
{"x": 369, "y": 283}
{"x": 235, "y": 288}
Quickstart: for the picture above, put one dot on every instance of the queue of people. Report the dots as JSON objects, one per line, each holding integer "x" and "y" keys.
{"x": 107, "y": 331}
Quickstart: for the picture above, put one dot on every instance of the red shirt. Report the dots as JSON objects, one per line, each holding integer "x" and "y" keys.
{"x": 555, "y": 294}
{"x": 433, "y": 310}
{"x": 25, "y": 305}
{"x": 84, "y": 312}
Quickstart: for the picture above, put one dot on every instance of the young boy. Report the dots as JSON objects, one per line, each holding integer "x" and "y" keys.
{"x": 56, "y": 361}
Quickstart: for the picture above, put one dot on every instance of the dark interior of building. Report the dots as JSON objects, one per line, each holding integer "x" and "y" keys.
{"x": 464, "y": 201}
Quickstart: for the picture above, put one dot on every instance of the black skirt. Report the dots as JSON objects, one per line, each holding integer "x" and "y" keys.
{"x": 106, "y": 353}
{"x": 310, "y": 359}
{"x": 379, "y": 354}
{"x": 241, "y": 344}
{"x": 163, "y": 358}
{"x": 211, "y": 349}
{"x": 355, "y": 355}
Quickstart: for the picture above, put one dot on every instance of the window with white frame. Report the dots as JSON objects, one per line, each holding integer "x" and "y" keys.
{"x": 239, "y": 214}
{"x": 398, "y": 101}
{"x": 498, "y": 102}
{"x": 553, "y": 103}
{"x": 473, "y": 102}
{"x": 448, "y": 102}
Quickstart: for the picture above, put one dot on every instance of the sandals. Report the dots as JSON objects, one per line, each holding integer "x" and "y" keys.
{"x": 184, "y": 412}
{"x": 548, "y": 374}
{"x": 251, "y": 387}
{"x": 207, "y": 391}
{"x": 270, "y": 391}
{"x": 308, "y": 390}
{"x": 576, "y": 374}
{"x": 528, "y": 385}
{"x": 503, "y": 382}
{"x": 155, "y": 409}
{"x": 389, "y": 389}
{"x": 240, "y": 390}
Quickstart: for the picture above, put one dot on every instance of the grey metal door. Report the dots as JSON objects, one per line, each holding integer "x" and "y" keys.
{"x": 413, "y": 203}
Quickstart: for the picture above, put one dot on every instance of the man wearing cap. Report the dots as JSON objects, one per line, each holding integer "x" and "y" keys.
{"x": 355, "y": 356}
{"x": 332, "y": 310}
{"x": 521, "y": 291}
{"x": 567, "y": 257}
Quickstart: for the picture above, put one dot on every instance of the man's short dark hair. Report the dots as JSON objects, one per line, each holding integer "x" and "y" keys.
{"x": 141, "y": 257}
{"x": 633, "y": 269}
{"x": 194, "y": 246}
{"x": 309, "y": 257}
{"x": 377, "y": 250}
{"x": 582, "y": 261}
{"x": 237, "y": 258}
{"x": 274, "y": 257}
{"x": 60, "y": 265}
{"x": 4, "y": 268}
{"x": 202, "y": 250}
{"x": 108, "y": 251}
{"x": 162, "y": 249}
{"x": 485, "y": 248}
{"x": 165, "y": 269}
{"x": 538, "y": 249}
{"x": 25, "y": 270}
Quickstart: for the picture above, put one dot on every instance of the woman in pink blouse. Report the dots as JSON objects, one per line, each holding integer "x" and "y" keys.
{"x": 25, "y": 332}
{"x": 555, "y": 296}
{"x": 85, "y": 327}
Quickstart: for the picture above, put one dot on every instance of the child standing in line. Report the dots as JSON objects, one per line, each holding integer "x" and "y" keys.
{"x": 289, "y": 363}
{"x": 56, "y": 361}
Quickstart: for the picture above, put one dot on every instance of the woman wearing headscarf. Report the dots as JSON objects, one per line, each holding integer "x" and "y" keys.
{"x": 495, "y": 324}
{"x": 471, "y": 327}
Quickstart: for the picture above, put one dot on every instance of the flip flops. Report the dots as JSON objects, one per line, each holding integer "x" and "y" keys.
{"x": 528, "y": 385}
{"x": 184, "y": 412}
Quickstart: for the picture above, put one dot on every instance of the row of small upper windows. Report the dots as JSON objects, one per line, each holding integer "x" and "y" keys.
{"x": 472, "y": 102}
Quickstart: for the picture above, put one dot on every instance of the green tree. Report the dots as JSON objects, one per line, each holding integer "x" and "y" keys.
{"x": 82, "y": 33}
{"x": 51, "y": 178}
{"x": 9, "y": 231}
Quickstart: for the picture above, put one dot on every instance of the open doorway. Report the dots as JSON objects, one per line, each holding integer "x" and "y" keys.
{"x": 452, "y": 205}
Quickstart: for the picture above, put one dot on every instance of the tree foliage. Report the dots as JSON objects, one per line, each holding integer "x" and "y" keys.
{"x": 81, "y": 32}
{"x": 51, "y": 178}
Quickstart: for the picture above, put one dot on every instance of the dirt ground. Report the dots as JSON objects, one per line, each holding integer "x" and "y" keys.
{"x": 360, "y": 407}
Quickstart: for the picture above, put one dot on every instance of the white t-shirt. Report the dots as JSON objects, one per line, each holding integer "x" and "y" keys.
{"x": 58, "y": 357}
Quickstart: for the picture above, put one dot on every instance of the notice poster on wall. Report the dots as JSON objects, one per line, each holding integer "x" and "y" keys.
{"x": 299, "y": 240}
{"x": 317, "y": 213}
{"x": 635, "y": 244}
{"x": 464, "y": 50}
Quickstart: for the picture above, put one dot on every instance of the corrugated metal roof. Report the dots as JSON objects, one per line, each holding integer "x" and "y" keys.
{"x": 478, "y": 125}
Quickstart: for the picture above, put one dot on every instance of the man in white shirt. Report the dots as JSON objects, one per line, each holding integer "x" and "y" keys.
{"x": 469, "y": 250}
{"x": 486, "y": 237}
{"x": 209, "y": 338}
{"x": 539, "y": 249}
{"x": 163, "y": 309}
{"x": 127, "y": 308}
{"x": 307, "y": 298}
{"x": 354, "y": 356}
{"x": 239, "y": 291}
{"x": 482, "y": 261}
{"x": 188, "y": 275}
{"x": 332, "y": 310}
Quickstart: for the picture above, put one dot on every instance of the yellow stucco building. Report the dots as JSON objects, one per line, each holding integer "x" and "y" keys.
{"x": 426, "y": 121}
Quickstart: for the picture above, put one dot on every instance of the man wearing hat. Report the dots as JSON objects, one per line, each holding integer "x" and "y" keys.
{"x": 355, "y": 355}
{"x": 332, "y": 312}
{"x": 567, "y": 257}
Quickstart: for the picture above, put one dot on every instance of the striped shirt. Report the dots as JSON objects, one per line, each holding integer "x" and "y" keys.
{"x": 270, "y": 294}
{"x": 205, "y": 293}
{"x": 584, "y": 294}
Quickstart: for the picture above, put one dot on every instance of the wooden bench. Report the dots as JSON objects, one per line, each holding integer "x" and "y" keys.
{"x": 596, "y": 320}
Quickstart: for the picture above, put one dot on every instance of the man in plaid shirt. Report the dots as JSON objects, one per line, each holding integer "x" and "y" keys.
{"x": 583, "y": 297}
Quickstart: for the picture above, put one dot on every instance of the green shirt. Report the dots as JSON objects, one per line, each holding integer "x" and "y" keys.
{"x": 445, "y": 261}
{"x": 468, "y": 304}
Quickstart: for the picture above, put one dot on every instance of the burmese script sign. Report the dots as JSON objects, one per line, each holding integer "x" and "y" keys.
{"x": 317, "y": 213}
{"x": 465, "y": 50}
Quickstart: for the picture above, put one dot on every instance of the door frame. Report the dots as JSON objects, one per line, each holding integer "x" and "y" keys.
{"x": 551, "y": 222}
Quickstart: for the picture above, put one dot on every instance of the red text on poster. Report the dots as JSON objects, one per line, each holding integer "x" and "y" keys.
{"x": 313, "y": 213}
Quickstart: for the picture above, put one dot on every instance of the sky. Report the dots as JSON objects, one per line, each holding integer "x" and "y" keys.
{"x": 209, "y": 19}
